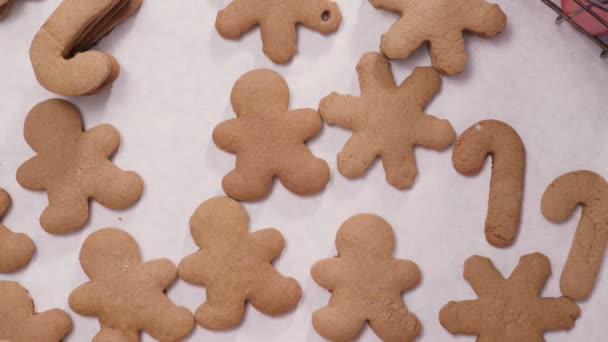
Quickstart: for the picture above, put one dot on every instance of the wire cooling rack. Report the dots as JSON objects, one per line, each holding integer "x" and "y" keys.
{"x": 585, "y": 6}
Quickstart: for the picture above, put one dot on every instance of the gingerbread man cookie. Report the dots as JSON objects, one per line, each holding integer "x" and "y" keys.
{"x": 277, "y": 20}
{"x": 441, "y": 24}
{"x": 387, "y": 121}
{"x": 366, "y": 283}
{"x": 59, "y": 52}
{"x": 235, "y": 266}
{"x": 125, "y": 294}
{"x": 510, "y": 309}
{"x": 19, "y": 322}
{"x": 562, "y": 196}
{"x": 16, "y": 249}
{"x": 73, "y": 166}
{"x": 269, "y": 140}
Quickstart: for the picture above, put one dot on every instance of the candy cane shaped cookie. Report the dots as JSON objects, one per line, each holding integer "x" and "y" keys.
{"x": 560, "y": 199}
{"x": 503, "y": 143}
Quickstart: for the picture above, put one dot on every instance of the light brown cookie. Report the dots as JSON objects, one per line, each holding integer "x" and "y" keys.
{"x": 366, "y": 283}
{"x": 73, "y": 166}
{"x": 277, "y": 20}
{"x": 501, "y": 141}
{"x": 5, "y": 5}
{"x": 387, "y": 121}
{"x": 125, "y": 294}
{"x": 235, "y": 266}
{"x": 510, "y": 309}
{"x": 588, "y": 249}
{"x": 59, "y": 53}
{"x": 441, "y": 24}
{"x": 19, "y": 322}
{"x": 269, "y": 140}
{"x": 16, "y": 249}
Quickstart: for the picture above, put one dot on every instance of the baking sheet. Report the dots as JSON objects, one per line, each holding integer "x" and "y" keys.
{"x": 546, "y": 80}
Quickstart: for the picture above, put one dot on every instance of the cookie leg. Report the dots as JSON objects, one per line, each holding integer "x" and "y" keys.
{"x": 51, "y": 325}
{"x": 234, "y": 20}
{"x": 396, "y": 323}
{"x": 224, "y": 309}
{"x": 400, "y": 167}
{"x": 303, "y": 173}
{"x": 67, "y": 212}
{"x": 401, "y": 40}
{"x": 356, "y": 156}
{"x": 111, "y": 335}
{"x": 279, "y": 40}
{"x": 486, "y": 19}
{"x": 448, "y": 54}
{"x": 247, "y": 183}
{"x": 338, "y": 324}
{"x": 275, "y": 294}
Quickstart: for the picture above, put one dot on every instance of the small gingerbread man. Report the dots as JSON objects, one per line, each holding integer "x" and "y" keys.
{"x": 73, "y": 166}
{"x": 441, "y": 24}
{"x": 278, "y": 20}
{"x": 16, "y": 249}
{"x": 366, "y": 284}
{"x": 269, "y": 140}
{"x": 19, "y": 322}
{"x": 235, "y": 266}
{"x": 387, "y": 121}
{"x": 125, "y": 294}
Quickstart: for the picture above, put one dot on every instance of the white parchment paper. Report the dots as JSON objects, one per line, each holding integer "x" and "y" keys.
{"x": 546, "y": 80}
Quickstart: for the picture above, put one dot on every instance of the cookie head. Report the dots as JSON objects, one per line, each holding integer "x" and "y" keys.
{"x": 218, "y": 218}
{"x": 365, "y": 234}
{"x": 51, "y": 123}
{"x": 259, "y": 91}
{"x": 99, "y": 260}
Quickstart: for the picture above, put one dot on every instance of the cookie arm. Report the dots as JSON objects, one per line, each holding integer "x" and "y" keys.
{"x": 375, "y": 75}
{"x": 485, "y": 19}
{"x": 324, "y": 272}
{"x": 269, "y": 242}
{"x": 340, "y": 110}
{"x": 532, "y": 271}
{"x": 228, "y": 135}
{"x": 406, "y": 272}
{"x": 279, "y": 38}
{"x": 192, "y": 268}
{"x": 31, "y": 174}
{"x": 82, "y": 300}
{"x": 162, "y": 270}
{"x": 482, "y": 275}
{"x": 104, "y": 138}
{"x": 305, "y": 121}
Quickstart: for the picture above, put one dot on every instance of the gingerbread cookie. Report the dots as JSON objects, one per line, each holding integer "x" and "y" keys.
{"x": 511, "y": 309}
{"x": 19, "y": 322}
{"x": 366, "y": 283}
{"x": 269, "y": 140}
{"x": 125, "y": 294}
{"x": 441, "y": 24}
{"x": 277, "y": 20}
{"x": 235, "y": 266}
{"x": 501, "y": 141}
{"x": 387, "y": 121}
{"x": 16, "y": 249}
{"x": 560, "y": 199}
{"x": 5, "y": 5}
{"x": 59, "y": 51}
{"x": 73, "y": 166}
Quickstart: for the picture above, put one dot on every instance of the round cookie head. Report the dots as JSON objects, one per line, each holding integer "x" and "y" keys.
{"x": 365, "y": 234}
{"x": 260, "y": 91}
{"x": 43, "y": 131}
{"x": 218, "y": 218}
{"x": 100, "y": 261}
